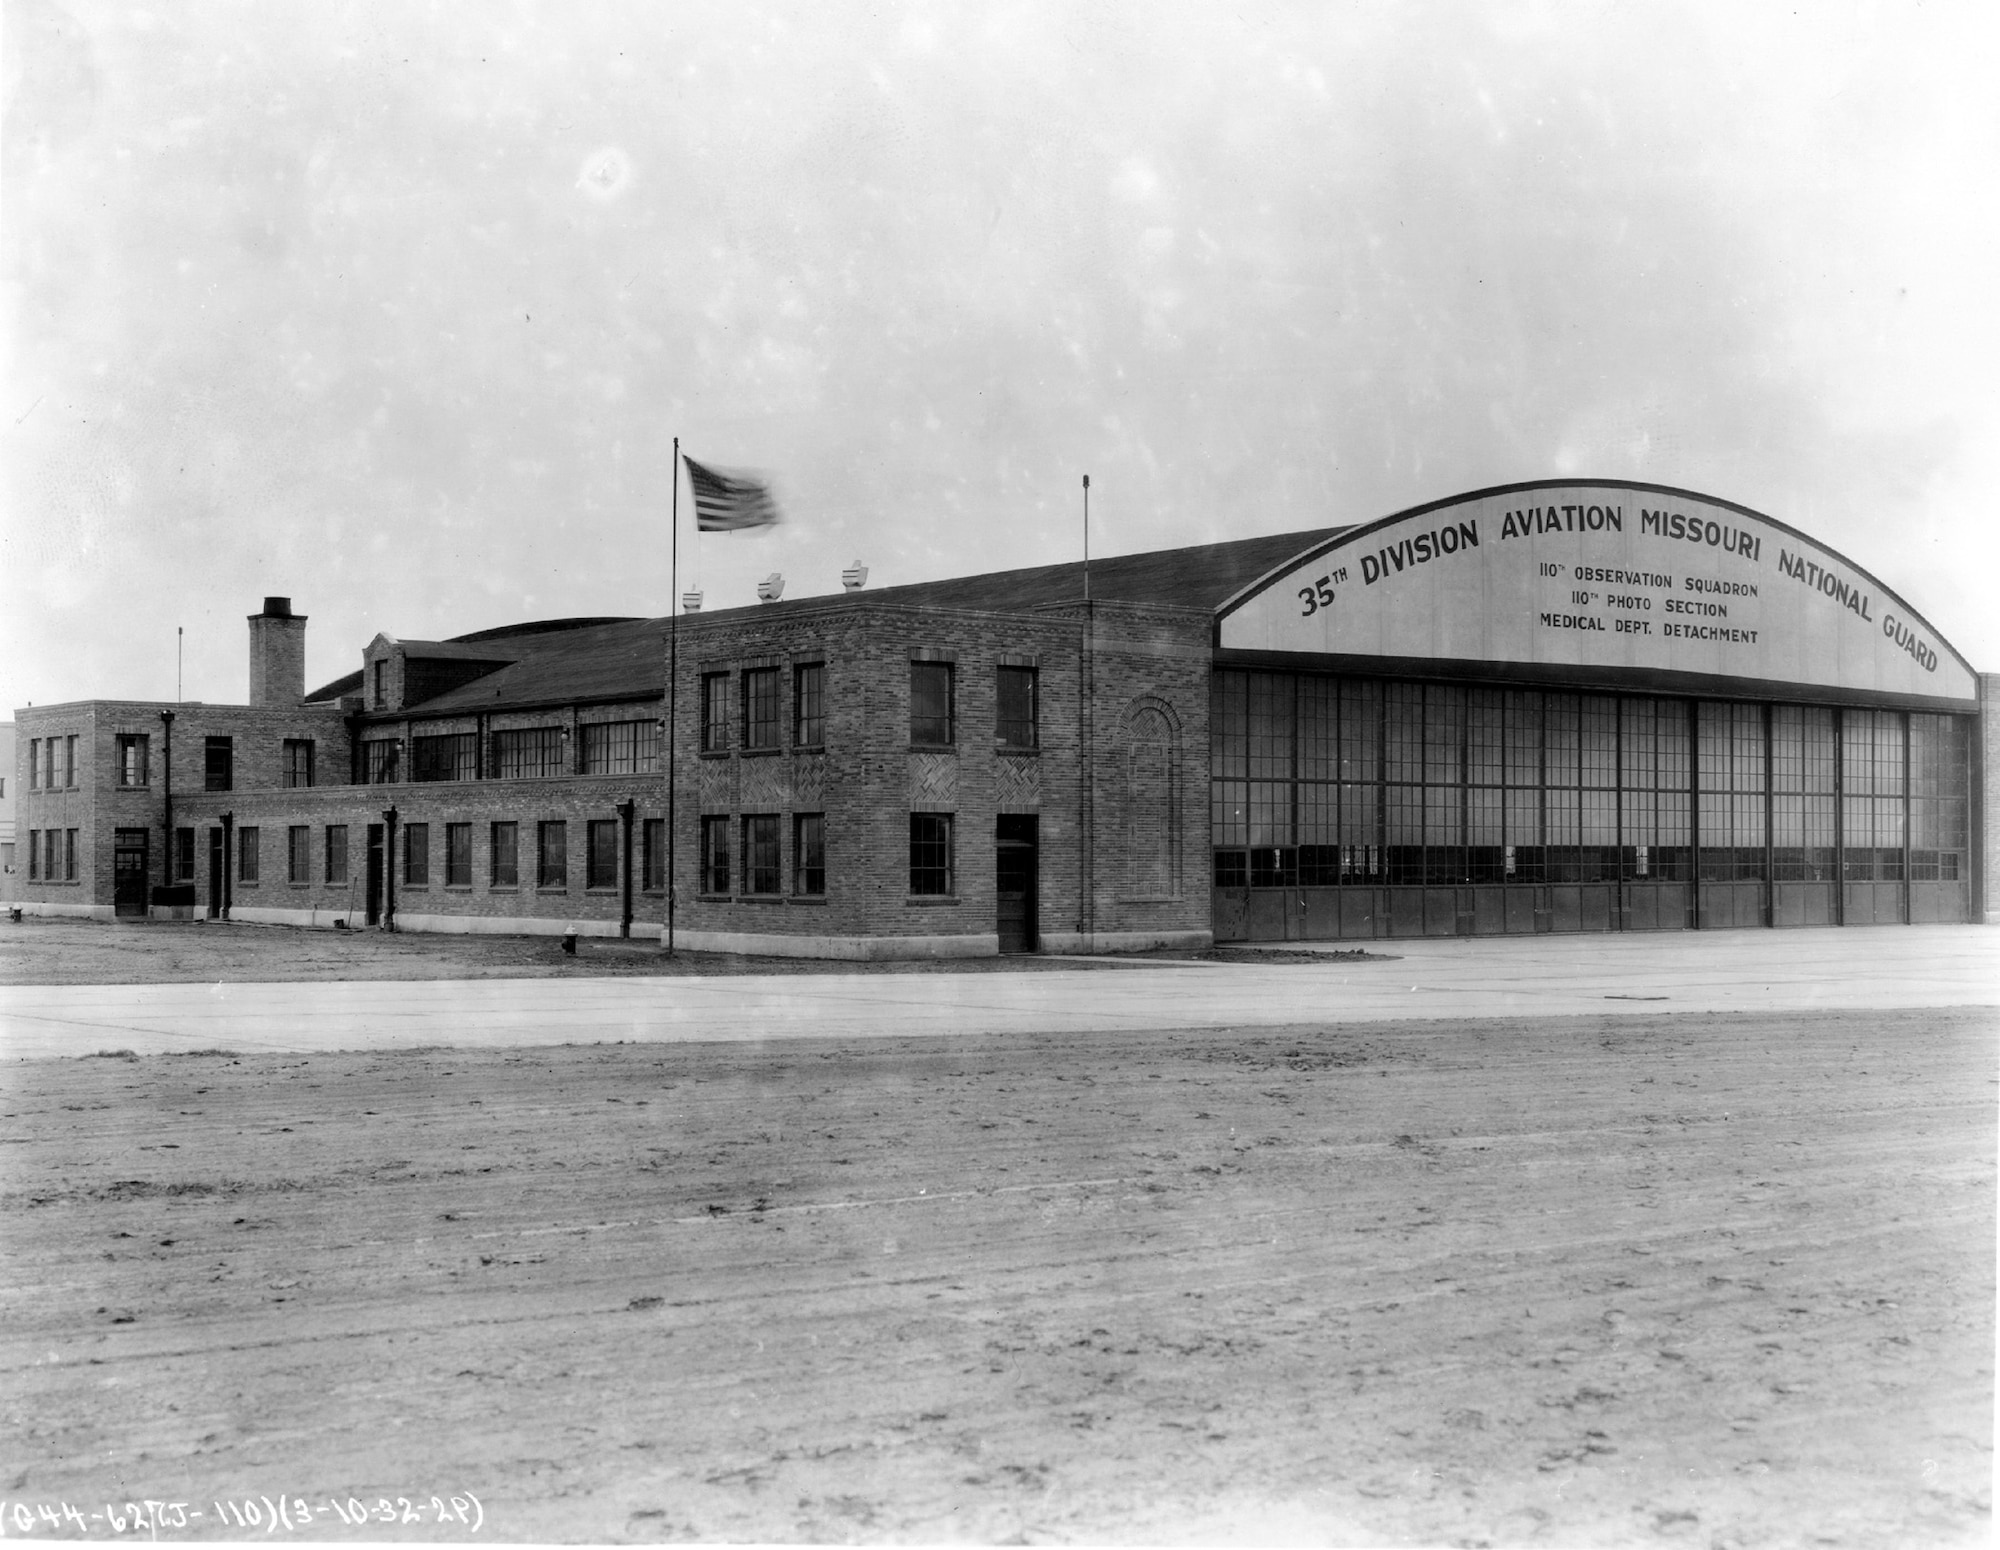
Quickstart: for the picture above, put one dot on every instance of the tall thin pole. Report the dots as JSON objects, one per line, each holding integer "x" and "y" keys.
{"x": 673, "y": 688}
{"x": 1086, "y": 807}
{"x": 178, "y": 632}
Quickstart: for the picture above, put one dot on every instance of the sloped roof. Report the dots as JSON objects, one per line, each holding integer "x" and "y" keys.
{"x": 627, "y": 658}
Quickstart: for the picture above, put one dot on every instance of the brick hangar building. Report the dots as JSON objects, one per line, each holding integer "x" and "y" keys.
{"x": 1555, "y": 706}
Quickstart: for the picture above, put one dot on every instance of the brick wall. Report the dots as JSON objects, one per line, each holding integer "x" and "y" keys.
{"x": 1986, "y": 801}
{"x": 870, "y": 779}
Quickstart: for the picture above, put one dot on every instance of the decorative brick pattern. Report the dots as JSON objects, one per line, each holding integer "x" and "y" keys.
{"x": 809, "y": 782}
{"x": 716, "y": 785}
{"x": 1017, "y": 784}
{"x": 933, "y": 782}
{"x": 765, "y": 785}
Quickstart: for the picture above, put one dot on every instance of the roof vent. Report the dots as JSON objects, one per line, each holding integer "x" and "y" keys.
{"x": 691, "y": 601}
{"x": 855, "y": 577}
{"x": 771, "y": 588}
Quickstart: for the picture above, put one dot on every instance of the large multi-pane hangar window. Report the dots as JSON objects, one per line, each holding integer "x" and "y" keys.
{"x": 1347, "y": 806}
{"x": 1583, "y": 708}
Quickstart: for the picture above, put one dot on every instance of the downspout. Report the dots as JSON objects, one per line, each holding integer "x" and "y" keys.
{"x": 389, "y": 869}
{"x": 625, "y": 867}
{"x": 167, "y": 784}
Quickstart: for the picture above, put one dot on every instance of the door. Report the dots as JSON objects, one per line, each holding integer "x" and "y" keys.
{"x": 1016, "y": 867}
{"x": 128, "y": 872}
{"x": 375, "y": 863}
{"x": 217, "y": 863}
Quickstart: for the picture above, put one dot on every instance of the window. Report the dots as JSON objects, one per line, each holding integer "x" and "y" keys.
{"x": 930, "y": 853}
{"x": 809, "y": 854}
{"x": 380, "y": 760}
{"x": 48, "y": 763}
{"x": 552, "y": 854}
{"x": 69, "y": 855}
{"x": 218, "y": 764}
{"x": 809, "y": 705}
{"x": 51, "y": 855}
{"x": 379, "y": 687}
{"x": 453, "y": 756}
{"x": 528, "y": 753}
{"x": 183, "y": 855}
{"x": 714, "y": 855}
{"x": 621, "y": 748}
{"x": 763, "y": 872}
{"x": 298, "y": 761}
{"x": 714, "y": 712}
{"x": 1014, "y": 713}
{"x": 35, "y": 766}
{"x": 336, "y": 855}
{"x": 458, "y": 855}
{"x": 930, "y": 703}
{"x": 417, "y": 854}
{"x": 760, "y": 707}
{"x": 34, "y": 855}
{"x": 132, "y": 751}
{"x": 506, "y": 842}
{"x": 654, "y": 866}
{"x": 600, "y": 854}
{"x": 246, "y": 855}
{"x": 69, "y": 760}
{"x": 298, "y": 854}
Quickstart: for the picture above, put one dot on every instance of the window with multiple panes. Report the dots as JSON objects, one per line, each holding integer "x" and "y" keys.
{"x": 298, "y": 761}
{"x": 1940, "y": 793}
{"x": 133, "y": 751}
{"x": 69, "y": 854}
{"x": 298, "y": 853}
{"x": 600, "y": 853}
{"x": 417, "y": 854}
{"x": 760, "y": 707}
{"x": 930, "y": 853}
{"x": 621, "y": 748}
{"x": 714, "y": 712}
{"x": 1014, "y": 712}
{"x": 714, "y": 855}
{"x": 446, "y": 756}
{"x": 35, "y": 766}
{"x": 552, "y": 854}
{"x": 1872, "y": 791}
{"x": 763, "y": 867}
{"x": 528, "y": 753}
{"x": 68, "y": 770}
{"x": 381, "y": 761}
{"x": 809, "y": 854}
{"x": 34, "y": 855}
{"x": 246, "y": 855}
{"x": 653, "y": 870}
{"x": 218, "y": 763}
{"x": 506, "y": 854}
{"x": 183, "y": 855}
{"x": 931, "y": 704}
{"x": 458, "y": 855}
{"x": 1730, "y": 770}
{"x": 336, "y": 854}
{"x": 379, "y": 686}
{"x": 809, "y": 705}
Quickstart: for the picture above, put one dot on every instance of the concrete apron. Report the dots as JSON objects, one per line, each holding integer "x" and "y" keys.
{"x": 1913, "y": 966}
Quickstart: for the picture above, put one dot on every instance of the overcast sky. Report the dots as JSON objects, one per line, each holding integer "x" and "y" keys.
{"x": 396, "y": 309}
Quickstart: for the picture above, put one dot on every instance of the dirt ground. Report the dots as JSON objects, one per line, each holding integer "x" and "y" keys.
{"x": 1711, "y": 1281}
{"x": 58, "y": 951}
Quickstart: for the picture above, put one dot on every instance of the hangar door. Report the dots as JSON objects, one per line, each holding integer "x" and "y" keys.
{"x": 1347, "y": 807}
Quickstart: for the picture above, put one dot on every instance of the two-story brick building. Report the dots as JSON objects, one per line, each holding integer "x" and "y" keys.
{"x": 1558, "y": 706}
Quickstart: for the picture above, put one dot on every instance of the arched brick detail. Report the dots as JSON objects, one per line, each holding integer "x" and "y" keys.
{"x": 1151, "y": 790}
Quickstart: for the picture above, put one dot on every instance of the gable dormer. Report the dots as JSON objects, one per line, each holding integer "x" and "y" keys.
{"x": 397, "y": 674}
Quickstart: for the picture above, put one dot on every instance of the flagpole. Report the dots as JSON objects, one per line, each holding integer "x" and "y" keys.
{"x": 1086, "y": 807}
{"x": 673, "y": 687}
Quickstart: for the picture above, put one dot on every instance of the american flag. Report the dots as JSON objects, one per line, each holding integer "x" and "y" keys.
{"x": 725, "y": 502}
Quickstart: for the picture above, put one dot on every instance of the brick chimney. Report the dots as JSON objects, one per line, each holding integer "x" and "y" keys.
{"x": 277, "y": 654}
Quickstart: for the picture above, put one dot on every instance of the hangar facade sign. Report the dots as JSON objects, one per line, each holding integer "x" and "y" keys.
{"x": 1605, "y": 578}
